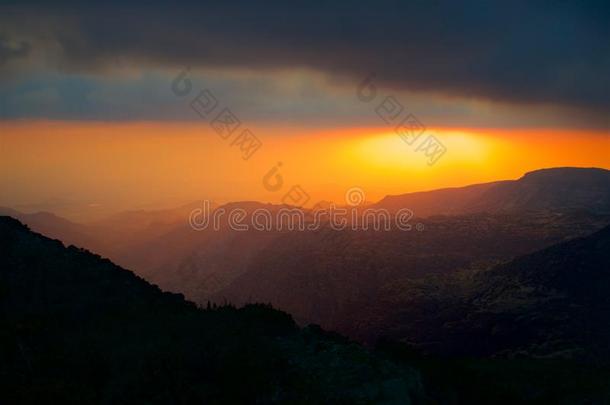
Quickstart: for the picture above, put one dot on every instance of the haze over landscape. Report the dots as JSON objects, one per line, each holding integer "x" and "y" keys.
{"x": 308, "y": 203}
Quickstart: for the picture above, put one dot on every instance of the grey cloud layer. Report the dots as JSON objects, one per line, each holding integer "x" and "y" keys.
{"x": 524, "y": 52}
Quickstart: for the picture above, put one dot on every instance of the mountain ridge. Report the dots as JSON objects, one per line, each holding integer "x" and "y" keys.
{"x": 560, "y": 188}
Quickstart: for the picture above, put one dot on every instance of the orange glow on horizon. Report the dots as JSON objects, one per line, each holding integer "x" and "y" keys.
{"x": 117, "y": 166}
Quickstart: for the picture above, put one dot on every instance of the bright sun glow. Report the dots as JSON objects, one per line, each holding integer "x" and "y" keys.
{"x": 117, "y": 166}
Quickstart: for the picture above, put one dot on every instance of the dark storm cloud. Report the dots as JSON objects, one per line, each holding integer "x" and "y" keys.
{"x": 536, "y": 51}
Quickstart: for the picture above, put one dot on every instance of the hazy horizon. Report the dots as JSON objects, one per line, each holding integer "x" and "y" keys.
{"x": 86, "y": 171}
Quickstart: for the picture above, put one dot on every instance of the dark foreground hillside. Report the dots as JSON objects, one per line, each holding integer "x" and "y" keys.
{"x": 74, "y": 328}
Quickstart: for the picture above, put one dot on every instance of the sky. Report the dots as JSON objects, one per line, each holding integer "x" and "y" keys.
{"x": 113, "y": 106}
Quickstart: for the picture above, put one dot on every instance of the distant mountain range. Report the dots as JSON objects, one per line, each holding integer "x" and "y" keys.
{"x": 331, "y": 277}
{"x": 557, "y": 189}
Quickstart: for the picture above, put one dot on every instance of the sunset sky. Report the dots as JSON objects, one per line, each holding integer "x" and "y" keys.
{"x": 95, "y": 117}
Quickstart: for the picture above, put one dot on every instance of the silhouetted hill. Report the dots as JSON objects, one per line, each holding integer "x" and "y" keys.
{"x": 556, "y": 189}
{"x": 554, "y": 303}
{"x": 75, "y": 328}
{"x": 445, "y": 201}
{"x": 55, "y": 226}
